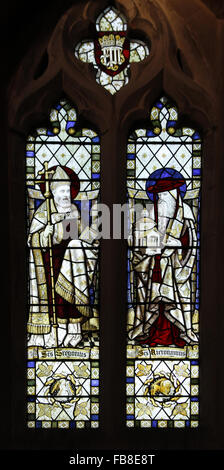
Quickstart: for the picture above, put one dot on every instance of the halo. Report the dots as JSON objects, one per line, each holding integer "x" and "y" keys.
{"x": 165, "y": 179}
{"x": 74, "y": 179}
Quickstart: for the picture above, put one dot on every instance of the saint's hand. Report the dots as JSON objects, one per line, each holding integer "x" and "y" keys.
{"x": 72, "y": 214}
{"x": 58, "y": 218}
{"x": 48, "y": 231}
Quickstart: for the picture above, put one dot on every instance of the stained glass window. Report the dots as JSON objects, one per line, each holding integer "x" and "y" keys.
{"x": 180, "y": 60}
{"x": 163, "y": 187}
{"x": 63, "y": 184}
{"x": 111, "y": 52}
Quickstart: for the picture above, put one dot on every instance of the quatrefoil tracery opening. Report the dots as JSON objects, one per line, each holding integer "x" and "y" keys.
{"x": 112, "y": 52}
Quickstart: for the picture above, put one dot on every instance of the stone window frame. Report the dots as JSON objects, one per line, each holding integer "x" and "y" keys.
{"x": 183, "y": 66}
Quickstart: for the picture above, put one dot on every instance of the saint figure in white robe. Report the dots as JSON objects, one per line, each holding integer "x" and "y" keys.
{"x": 74, "y": 269}
{"x": 161, "y": 276}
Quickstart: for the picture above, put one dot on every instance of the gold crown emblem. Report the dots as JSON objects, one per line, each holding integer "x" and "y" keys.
{"x": 111, "y": 40}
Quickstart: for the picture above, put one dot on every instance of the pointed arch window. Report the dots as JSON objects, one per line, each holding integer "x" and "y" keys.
{"x": 163, "y": 183}
{"x": 75, "y": 119}
{"x": 63, "y": 184}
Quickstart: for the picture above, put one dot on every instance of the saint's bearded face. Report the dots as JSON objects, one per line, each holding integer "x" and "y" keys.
{"x": 62, "y": 196}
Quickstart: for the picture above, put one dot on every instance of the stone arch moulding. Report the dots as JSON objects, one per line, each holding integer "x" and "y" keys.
{"x": 174, "y": 55}
{"x": 181, "y": 66}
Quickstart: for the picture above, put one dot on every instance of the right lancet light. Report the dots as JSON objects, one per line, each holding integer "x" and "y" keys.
{"x": 164, "y": 178}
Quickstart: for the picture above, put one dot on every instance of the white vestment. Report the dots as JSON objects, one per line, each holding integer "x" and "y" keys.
{"x": 175, "y": 288}
{"x": 77, "y": 272}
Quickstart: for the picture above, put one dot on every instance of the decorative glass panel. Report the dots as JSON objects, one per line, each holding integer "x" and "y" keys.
{"x": 63, "y": 183}
{"x": 163, "y": 187}
{"x": 111, "y": 52}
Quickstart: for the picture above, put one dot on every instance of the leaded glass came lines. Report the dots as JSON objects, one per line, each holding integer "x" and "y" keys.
{"x": 164, "y": 177}
{"x": 112, "y": 52}
{"x": 62, "y": 182}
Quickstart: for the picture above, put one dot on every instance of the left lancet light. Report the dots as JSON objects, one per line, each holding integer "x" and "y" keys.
{"x": 63, "y": 181}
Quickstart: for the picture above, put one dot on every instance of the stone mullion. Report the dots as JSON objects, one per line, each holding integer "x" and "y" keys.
{"x": 113, "y": 288}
